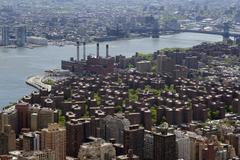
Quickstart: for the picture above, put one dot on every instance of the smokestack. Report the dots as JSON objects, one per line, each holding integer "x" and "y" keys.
{"x": 84, "y": 51}
{"x": 78, "y": 50}
{"x": 97, "y": 50}
{"x": 107, "y": 51}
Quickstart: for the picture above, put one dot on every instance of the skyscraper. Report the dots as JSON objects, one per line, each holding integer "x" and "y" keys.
{"x": 21, "y": 36}
{"x": 54, "y": 138}
{"x": 5, "y": 36}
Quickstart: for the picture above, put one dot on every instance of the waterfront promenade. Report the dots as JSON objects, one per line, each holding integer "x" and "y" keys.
{"x": 37, "y": 82}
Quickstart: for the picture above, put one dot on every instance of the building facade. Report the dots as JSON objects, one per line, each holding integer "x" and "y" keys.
{"x": 54, "y": 138}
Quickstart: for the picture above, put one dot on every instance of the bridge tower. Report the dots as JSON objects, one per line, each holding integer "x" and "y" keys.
{"x": 226, "y": 34}
{"x": 155, "y": 29}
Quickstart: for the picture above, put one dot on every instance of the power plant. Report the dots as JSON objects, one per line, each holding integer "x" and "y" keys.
{"x": 91, "y": 64}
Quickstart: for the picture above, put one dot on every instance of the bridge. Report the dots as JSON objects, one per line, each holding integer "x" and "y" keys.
{"x": 226, "y": 33}
{"x": 226, "y": 36}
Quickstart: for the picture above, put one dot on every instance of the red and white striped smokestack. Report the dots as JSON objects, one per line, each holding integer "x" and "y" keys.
{"x": 84, "y": 51}
{"x": 107, "y": 51}
{"x": 78, "y": 50}
{"x": 97, "y": 50}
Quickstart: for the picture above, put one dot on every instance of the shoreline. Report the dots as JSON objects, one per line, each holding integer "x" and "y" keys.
{"x": 55, "y": 43}
{"x": 60, "y": 43}
{"x": 66, "y": 43}
{"x": 36, "y": 82}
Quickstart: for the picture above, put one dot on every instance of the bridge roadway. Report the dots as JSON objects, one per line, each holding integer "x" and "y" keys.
{"x": 204, "y": 32}
{"x": 235, "y": 35}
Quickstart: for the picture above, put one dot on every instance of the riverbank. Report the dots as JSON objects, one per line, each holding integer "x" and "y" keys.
{"x": 131, "y": 37}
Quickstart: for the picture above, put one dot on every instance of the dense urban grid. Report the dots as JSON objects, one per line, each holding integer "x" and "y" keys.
{"x": 174, "y": 104}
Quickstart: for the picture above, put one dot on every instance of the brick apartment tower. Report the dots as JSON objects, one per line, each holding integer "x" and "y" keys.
{"x": 164, "y": 146}
{"x": 133, "y": 138}
{"x": 22, "y": 115}
{"x": 7, "y": 140}
{"x": 54, "y": 138}
{"x": 75, "y": 137}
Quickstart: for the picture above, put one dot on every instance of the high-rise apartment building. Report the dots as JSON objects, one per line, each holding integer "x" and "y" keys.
{"x": 5, "y": 35}
{"x": 45, "y": 116}
{"x": 164, "y": 145}
{"x": 7, "y": 140}
{"x": 75, "y": 137}
{"x": 31, "y": 141}
{"x": 21, "y": 36}
{"x": 133, "y": 138}
{"x": 22, "y": 115}
{"x": 54, "y": 138}
{"x": 164, "y": 64}
{"x": 3, "y": 120}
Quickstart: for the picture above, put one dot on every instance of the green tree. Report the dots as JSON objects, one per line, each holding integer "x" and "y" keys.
{"x": 98, "y": 98}
{"x": 153, "y": 114}
{"x": 213, "y": 114}
{"x": 62, "y": 120}
{"x": 133, "y": 94}
{"x": 118, "y": 109}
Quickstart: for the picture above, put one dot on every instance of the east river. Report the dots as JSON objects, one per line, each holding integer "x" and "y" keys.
{"x": 18, "y": 63}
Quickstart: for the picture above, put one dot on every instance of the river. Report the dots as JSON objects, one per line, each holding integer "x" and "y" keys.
{"x": 19, "y": 63}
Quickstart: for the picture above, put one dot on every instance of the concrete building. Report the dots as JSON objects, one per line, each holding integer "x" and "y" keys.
{"x": 5, "y": 36}
{"x": 21, "y": 36}
{"x": 3, "y": 120}
{"x": 112, "y": 127}
{"x": 37, "y": 155}
{"x": 54, "y": 138}
{"x": 37, "y": 41}
{"x": 128, "y": 156}
{"x": 183, "y": 145}
{"x": 34, "y": 121}
{"x": 134, "y": 139}
{"x": 97, "y": 150}
{"x": 143, "y": 66}
{"x": 148, "y": 145}
{"x": 31, "y": 141}
{"x": 191, "y": 62}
